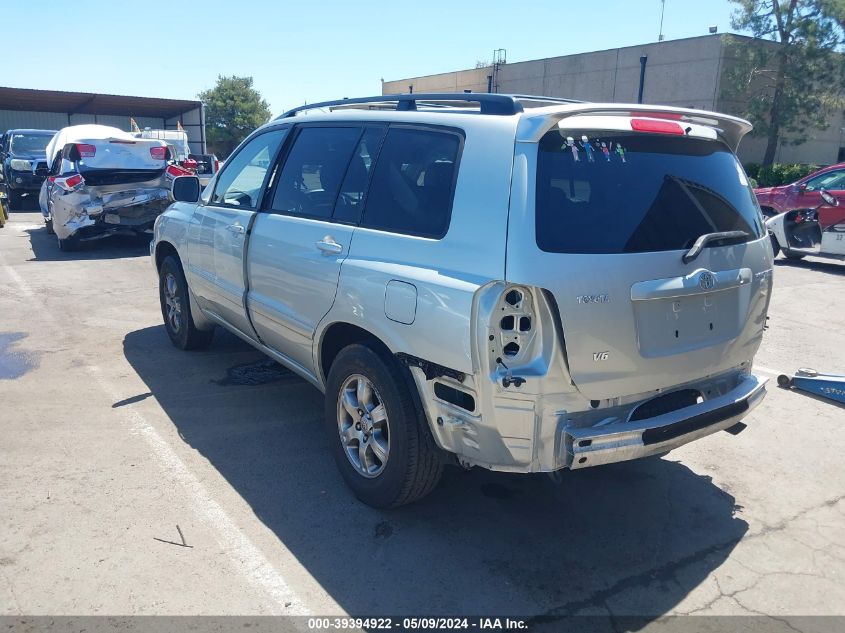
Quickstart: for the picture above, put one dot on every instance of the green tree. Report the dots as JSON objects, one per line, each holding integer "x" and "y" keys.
{"x": 794, "y": 81}
{"x": 233, "y": 109}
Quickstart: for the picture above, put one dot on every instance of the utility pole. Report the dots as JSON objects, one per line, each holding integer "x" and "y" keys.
{"x": 499, "y": 57}
{"x": 662, "y": 10}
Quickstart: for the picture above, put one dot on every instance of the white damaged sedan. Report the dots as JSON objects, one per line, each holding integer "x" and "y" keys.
{"x": 103, "y": 181}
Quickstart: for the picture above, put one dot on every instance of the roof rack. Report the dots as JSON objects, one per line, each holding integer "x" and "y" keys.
{"x": 488, "y": 103}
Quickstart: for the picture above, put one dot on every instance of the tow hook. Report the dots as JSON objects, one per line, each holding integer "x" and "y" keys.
{"x": 509, "y": 379}
{"x": 516, "y": 381}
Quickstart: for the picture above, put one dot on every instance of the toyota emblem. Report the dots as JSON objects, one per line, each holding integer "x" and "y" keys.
{"x": 707, "y": 280}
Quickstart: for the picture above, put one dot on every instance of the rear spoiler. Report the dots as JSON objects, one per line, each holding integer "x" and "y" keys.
{"x": 534, "y": 124}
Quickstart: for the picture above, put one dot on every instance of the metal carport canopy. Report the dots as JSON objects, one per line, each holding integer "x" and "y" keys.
{"x": 92, "y": 103}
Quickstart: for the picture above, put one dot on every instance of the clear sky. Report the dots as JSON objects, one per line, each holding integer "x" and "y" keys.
{"x": 311, "y": 51}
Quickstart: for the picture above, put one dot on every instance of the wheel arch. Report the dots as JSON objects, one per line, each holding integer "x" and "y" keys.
{"x": 338, "y": 335}
{"x": 164, "y": 249}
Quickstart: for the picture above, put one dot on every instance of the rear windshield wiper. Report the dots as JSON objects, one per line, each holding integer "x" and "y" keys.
{"x": 705, "y": 239}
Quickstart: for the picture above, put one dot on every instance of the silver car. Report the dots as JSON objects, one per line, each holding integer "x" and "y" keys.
{"x": 519, "y": 283}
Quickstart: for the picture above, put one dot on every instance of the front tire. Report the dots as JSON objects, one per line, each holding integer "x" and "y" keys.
{"x": 176, "y": 308}
{"x": 379, "y": 439}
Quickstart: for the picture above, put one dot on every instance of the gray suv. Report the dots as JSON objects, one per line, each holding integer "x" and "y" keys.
{"x": 524, "y": 284}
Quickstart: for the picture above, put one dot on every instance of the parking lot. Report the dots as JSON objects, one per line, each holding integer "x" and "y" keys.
{"x": 111, "y": 438}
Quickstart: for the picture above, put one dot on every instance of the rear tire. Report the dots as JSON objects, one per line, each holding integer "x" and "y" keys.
{"x": 48, "y": 224}
{"x": 69, "y": 244}
{"x": 176, "y": 308}
{"x": 388, "y": 459}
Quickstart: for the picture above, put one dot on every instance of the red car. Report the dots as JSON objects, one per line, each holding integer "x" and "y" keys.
{"x": 806, "y": 194}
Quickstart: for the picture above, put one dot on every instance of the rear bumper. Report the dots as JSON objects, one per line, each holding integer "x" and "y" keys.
{"x": 622, "y": 441}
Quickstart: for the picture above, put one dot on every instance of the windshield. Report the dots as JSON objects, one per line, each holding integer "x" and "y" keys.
{"x": 617, "y": 192}
{"x": 29, "y": 143}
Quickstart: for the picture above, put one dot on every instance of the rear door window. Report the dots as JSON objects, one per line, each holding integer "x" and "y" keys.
{"x": 414, "y": 182}
{"x": 352, "y": 191}
{"x": 617, "y": 192}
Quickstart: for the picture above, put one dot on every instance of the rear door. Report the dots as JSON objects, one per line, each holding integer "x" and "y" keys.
{"x": 298, "y": 243}
{"x": 601, "y": 219}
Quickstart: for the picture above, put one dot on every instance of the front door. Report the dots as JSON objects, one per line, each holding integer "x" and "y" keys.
{"x": 225, "y": 223}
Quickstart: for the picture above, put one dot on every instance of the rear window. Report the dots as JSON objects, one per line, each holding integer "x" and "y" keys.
{"x": 617, "y": 192}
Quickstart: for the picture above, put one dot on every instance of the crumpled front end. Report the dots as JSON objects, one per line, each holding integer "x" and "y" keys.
{"x": 95, "y": 211}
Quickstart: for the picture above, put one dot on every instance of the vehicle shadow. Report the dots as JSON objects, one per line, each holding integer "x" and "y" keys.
{"x": 833, "y": 267}
{"x": 45, "y": 247}
{"x": 634, "y": 538}
{"x": 28, "y": 203}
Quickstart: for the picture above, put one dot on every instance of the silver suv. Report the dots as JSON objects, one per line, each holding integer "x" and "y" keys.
{"x": 520, "y": 283}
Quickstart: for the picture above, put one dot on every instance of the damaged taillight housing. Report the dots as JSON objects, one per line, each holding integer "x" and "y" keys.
{"x": 159, "y": 152}
{"x": 513, "y": 326}
{"x": 68, "y": 183}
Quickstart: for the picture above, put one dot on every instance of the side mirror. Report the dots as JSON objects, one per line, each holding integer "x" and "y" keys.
{"x": 801, "y": 188}
{"x": 185, "y": 189}
{"x": 829, "y": 199}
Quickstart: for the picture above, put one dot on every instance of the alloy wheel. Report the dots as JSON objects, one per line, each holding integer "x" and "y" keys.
{"x": 363, "y": 426}
{"x": 173, "y": 302}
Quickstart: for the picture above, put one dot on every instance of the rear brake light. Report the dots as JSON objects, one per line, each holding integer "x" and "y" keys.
{"x": 158, "y": 153}
{"x": 72, "y": 181}
{"x": 653, "y": 125}
{"x": 68, "y": 184}
{"x": 85, "y": 150}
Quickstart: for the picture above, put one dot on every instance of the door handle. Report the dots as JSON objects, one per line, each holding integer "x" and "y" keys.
{"x": 329, "y": 246}
{"x": 237, "y": 229}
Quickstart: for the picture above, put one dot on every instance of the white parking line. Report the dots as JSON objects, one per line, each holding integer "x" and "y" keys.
{"x": 256, "y": 568}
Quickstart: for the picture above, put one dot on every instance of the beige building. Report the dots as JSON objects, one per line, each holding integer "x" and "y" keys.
{"x": 688, "y": 72}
